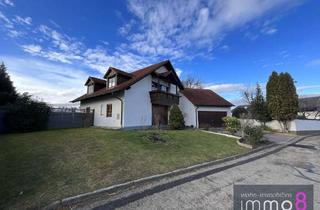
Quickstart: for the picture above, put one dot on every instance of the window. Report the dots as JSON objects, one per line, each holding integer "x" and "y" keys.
{"x": 90, "y": 89}
{"x": 155, "y": 86}
{"x": 112, "y": 82}
{"x": 101, "y": 109}
{"x": 162, "y": 87}
{"x": 109, "y": 110}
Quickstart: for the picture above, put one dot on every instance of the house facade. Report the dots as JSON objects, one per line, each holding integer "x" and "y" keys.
{"x": 143, "y": 99}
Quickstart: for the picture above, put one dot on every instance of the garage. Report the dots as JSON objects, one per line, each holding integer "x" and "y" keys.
{"x": 211, "y": 119}
{"x": 203, "y": 108}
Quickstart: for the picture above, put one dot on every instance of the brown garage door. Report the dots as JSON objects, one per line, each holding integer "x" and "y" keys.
{"x": 210, "y": 119}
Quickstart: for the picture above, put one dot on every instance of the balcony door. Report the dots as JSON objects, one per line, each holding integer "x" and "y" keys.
{"x": 159, "y": 115}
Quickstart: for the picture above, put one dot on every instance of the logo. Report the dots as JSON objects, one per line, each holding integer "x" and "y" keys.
{"x": 273, "y": 197}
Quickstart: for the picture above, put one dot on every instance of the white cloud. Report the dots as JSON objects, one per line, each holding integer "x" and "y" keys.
{"x": 178, "y": 28}
{"x": 6, "y": 21}
{"x": 8, "y": 26}
{"x": 51, "y": 82}
{"x": 125, "y": 29}
{"x": 7, "y": 3}
{"x": 178, "y": 71}
{"x": 314, "y": 62}
{"x": 226, "y": 87}
{"x": 32, "y": 49}
{"x": 225, "y": 48}
{"x": 59, "y": 40}
{"x": 23, "y": 21}
{"x": 308, "y": 87}
{"x": 269, "y": 31}
{"x": 14, "y": 33}
{"x": 65, "y": 49}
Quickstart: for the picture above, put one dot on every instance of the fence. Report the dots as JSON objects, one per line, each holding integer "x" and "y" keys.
{"x": 69, "y": 118}
{"x": 60, "y": 118}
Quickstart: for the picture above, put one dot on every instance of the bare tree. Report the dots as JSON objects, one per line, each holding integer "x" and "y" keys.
{"x": 192, "y": 82}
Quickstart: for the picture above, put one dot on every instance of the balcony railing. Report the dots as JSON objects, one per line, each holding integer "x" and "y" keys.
{"x": 163, "y": 98}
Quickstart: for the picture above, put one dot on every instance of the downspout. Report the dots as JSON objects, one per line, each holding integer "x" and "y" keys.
{"x": 196, "y": 112}
{"x": 121, "y": 101}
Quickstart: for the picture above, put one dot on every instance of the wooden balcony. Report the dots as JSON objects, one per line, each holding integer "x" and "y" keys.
{"x": 163, "y": 98}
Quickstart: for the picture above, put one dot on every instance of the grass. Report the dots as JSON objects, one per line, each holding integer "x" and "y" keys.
{"x": 41, "y": 167}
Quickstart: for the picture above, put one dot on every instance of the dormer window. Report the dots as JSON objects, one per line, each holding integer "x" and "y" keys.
{"x": 111, "y": 82}
{"x": 90, "y": 89}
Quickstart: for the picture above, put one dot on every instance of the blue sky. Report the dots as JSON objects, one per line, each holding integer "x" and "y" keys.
{"x": 51, "y": 47}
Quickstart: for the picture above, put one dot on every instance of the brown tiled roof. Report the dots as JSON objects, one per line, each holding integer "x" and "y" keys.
{"x": 96, "y": 80}
{"x": 136, "y": 76}
{"x": 205, "y": 97}
{"x": 309, "y": 104}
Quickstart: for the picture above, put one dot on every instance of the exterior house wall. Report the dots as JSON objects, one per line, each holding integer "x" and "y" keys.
{"x": 137, "y": 104}
{"x": 100, "y": 118}
{"x": 188, "y": 110}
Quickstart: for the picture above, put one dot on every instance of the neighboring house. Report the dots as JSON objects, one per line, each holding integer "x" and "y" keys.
{"x": 309, "y": 107}
{"x": 143, "y": 99}
{"x": 240, "y": 110}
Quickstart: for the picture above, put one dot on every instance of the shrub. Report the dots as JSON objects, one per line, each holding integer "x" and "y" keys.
{"x": 253, "y": 134}
{"x": 26, "y": 114}
{"x": 176, "y": 120}
{"x": 232, "y": 124}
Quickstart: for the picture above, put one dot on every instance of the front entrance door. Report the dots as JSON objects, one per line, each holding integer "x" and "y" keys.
{"x": 159, "y": 115}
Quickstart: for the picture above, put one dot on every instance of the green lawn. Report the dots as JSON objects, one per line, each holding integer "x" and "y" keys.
{"x": 41, "y": 167}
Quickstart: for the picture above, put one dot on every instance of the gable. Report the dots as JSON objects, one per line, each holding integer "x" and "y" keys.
{"x": 161, "y": 70}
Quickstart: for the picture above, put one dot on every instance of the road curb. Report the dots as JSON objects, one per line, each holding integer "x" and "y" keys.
{"x": 119, "y": 202}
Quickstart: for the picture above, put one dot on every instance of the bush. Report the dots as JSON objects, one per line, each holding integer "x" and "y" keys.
{"x": 253, "y": 134}
{"x": 176, "y": 120}
{"x": 232, "y": 124}
{"x": 26, "y": 114}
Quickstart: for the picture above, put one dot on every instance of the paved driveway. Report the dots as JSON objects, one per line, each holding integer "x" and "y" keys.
{"x": 279, "y": 138}
{"x": 293, "y": 165}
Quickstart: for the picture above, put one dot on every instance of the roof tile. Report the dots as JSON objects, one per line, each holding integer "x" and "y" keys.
{"x": 137, "y": 75}
{"x": 205, "y": 97}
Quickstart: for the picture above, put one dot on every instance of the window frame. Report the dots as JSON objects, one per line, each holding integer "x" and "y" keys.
{"x": 112, "y": 82}
{"x": 109, "y": 110}
{"x": 101, "y": 109}
{"x": 90, "y": 89}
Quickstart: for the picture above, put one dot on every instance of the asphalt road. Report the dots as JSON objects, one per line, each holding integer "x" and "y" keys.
{"x": 298, "y": 164}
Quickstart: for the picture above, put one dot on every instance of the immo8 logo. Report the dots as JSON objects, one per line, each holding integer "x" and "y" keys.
{"x": 300, "y": 204}
{"x": 273, "y": 197}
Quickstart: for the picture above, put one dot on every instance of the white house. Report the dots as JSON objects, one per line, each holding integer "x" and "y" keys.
{"x": 143, "y": 99}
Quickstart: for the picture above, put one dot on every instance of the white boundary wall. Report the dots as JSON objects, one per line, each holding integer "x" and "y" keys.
{"x": 294, "y": 125}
